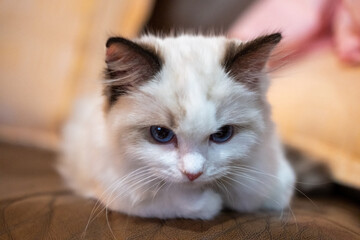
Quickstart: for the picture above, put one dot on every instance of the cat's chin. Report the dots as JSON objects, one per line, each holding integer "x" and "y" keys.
{"x": 191, "y": 184}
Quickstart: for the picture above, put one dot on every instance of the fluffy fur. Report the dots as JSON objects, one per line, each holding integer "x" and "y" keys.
{"x": 192, "y": 85}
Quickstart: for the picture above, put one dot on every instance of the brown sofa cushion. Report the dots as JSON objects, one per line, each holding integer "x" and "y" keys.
{"x": 35, "y": 204}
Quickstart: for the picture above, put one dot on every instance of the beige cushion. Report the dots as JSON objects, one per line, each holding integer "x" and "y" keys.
{"x": 49, "y": 50}
{"x": 316, "y": 104}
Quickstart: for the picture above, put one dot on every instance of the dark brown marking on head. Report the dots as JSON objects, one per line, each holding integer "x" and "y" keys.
{"x": 152, "y": 49}
{"x": 173, "y": 120}
{"x": 246, "y": 61}
{"x": 231, "y": 50}
{"x": 129, "y": 65}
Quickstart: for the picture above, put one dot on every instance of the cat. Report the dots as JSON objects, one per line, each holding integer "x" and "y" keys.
{"x": 182, "y": 130}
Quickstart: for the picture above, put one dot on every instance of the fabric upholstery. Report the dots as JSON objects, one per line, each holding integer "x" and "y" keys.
{"x": 35, "y": 204}
{"x": 50, "y": 52}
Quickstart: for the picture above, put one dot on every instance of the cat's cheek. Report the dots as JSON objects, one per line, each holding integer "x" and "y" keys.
{"x": 284, "y": 190}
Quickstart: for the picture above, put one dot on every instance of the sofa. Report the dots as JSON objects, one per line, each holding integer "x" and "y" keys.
{"x": 35, "y": 204}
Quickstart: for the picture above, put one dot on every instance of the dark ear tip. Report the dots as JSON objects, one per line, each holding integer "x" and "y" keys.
{"x": 113, "y": 40}
{"x": 275, "y": 37}
{"x": 110, "y": 41}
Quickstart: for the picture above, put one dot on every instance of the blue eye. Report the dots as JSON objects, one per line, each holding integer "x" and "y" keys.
{"x": 161, "y": 134}
{"x": 223, "y": 134}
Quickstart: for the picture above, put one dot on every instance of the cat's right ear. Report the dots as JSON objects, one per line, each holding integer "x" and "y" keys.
{"x": 129, "y": 65}
{"x": 247, "y": 61}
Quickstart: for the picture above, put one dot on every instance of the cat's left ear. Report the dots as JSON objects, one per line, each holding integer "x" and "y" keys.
{"x": 247, "y": 61}
{"x": 129, "y": 65}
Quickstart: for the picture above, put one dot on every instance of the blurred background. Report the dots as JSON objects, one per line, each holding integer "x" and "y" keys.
{"x": 52, "y": 52}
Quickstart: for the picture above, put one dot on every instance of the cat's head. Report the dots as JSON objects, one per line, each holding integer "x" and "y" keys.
{"x": 188, "y": 107}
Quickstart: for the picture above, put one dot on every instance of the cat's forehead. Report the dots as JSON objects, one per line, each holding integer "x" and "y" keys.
{"x": 193, "y": 84}
{"x": 196, "y": 83}
{"x": 192, "y": 65}
{"x": 189, "y": 49}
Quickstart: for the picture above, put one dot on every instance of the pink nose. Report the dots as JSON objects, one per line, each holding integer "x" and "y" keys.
{"x": 194, "y": 176}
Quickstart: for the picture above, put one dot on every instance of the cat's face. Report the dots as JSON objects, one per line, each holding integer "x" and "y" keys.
{"x": 189, "y": 108}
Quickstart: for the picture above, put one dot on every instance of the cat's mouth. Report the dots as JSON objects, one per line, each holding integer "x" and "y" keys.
{"x": 189, "y": 184}
{"x": 202, "y": 180}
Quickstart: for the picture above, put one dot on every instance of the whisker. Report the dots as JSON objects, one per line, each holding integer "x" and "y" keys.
{"x": 140, "y": 182}
{"x": 255, "y": 170}
{"x": 98, "y": 202}
{"x": 108, "y": 224}
{"x": 249, "y": 169}
{"x": 156, "y": 192}
{"x": 118, "y": 182}
{"x": 264, "y": 195}
{"x": 118, "y": 195}
{"x": 229, "y": 196}
{"x": 277, "y": 203}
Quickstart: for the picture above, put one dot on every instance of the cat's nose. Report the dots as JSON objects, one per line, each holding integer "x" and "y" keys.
{"x": 193, "y": 176}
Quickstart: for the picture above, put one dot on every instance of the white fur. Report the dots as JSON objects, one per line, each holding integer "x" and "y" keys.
{"x": 108, "y": 155}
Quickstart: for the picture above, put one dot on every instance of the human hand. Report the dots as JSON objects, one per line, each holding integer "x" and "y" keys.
{"x": 305, "y": 24}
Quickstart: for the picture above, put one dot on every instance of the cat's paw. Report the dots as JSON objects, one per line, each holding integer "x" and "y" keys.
{"x": 206, "y": 206}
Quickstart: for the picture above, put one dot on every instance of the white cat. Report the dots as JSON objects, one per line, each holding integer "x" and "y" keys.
{"x": 183, "y": 129}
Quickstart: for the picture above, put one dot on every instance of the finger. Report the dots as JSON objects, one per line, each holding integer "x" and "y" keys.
{"x": 346, "y": 36}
